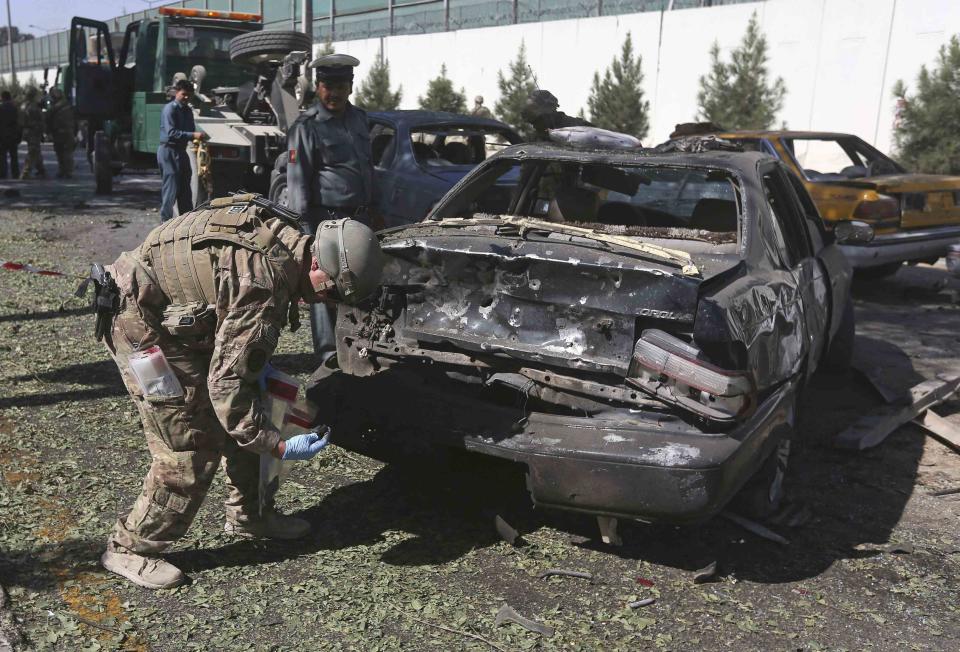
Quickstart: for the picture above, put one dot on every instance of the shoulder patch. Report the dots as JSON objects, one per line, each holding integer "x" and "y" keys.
{"x": 292, "y": 156}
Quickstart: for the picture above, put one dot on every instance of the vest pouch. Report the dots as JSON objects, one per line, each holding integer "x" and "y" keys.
{"x": 154, "y": 374}
{"x": 188, "y": 319}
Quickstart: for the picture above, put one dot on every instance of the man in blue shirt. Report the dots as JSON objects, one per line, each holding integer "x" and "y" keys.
{"x": 177, "y": 129}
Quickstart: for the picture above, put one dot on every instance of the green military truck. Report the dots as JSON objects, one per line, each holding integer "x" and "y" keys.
{"x": 249, "y": 89}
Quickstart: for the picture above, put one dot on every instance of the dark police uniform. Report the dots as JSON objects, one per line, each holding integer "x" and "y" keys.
{"x": 329, "y": 172}
{"x": 176, "y": 131}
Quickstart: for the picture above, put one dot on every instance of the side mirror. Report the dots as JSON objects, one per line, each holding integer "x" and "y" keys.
{"x": 853, "y": 232}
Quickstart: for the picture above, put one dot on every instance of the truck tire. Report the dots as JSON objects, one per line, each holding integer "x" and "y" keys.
{"x": 839, "y": 354}
{"x": 269, "y": 46}
{"x": 102, "y": 165}
{"x": 278, "y": 190}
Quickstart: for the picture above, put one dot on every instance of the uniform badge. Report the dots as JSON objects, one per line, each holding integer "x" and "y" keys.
{"x": 293, "y": 156}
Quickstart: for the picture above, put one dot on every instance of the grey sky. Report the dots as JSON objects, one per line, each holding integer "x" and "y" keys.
{"x": 56, "y": 14}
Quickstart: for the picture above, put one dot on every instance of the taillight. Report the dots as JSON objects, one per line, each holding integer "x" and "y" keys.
{"x": 884, "y": 207}
{"x": 674, "y": 371}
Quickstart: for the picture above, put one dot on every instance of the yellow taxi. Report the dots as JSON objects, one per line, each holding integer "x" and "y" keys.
{"x": 916, "y": 217}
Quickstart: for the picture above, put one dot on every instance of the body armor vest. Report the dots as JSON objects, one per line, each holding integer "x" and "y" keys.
{"x": 181, "y": 252}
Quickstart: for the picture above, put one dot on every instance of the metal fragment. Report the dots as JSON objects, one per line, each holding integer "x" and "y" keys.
{"x": 755, "y": 528}
{"x": 706, "y": 574}
{"x": 567, "y": 573}
{"x": 871, "y": 429}
{"x": 506, "y": 531}
{"x": 508, "y": 615}
{"x": 646, "y": 602}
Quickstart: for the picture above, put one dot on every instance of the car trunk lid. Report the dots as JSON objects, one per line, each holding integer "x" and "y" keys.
{"x": 559, "y": 299}
{"x": 925, "y": 199}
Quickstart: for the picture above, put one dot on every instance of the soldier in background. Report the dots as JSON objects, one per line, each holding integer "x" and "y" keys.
{"x": 62, "y": 128}
{"x": 479, "y": 110}
{"x": 32, "y": 116}
{"x": 10, "y": 136}
{"x": 541, "y": 111}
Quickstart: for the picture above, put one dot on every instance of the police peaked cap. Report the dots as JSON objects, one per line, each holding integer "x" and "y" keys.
{"x": 335, "y": 67}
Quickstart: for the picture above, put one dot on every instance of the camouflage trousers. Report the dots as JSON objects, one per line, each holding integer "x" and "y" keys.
{"x": 187, "y": 444}
{"x": 34, "y": 161}
{"x": 64, "y": 149}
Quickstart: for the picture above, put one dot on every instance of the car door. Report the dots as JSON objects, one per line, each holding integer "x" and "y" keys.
{"x": 92, "y": 85}
{"x": 835, "y": 265}
{"x": 809, "y": 300}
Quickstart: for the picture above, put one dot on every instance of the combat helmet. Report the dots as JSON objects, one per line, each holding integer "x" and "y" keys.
{"x": 349, "y": 252}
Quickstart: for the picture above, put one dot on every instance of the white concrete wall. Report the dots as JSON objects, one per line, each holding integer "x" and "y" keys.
{"x": 839, "y": 58}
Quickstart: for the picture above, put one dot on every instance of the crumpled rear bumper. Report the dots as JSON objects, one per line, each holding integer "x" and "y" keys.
{"x": 652, "y": 467}
{"x": 917, "y": 244}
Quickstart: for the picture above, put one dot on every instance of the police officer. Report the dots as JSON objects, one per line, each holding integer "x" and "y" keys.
{"x": 32, "y": 133}
{"x": 211, "y": 290}
{"x": 329, "y": 165}
{"x": 177, "y": 129}
{"x": 541, "y": 110}
{"x": 62, "y": 128}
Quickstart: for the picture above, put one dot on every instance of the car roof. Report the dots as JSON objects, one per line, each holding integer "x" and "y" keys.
{"x": 418, "y": 117}
{"x": 783, "y": 133}
{"x": 741, "y": 161}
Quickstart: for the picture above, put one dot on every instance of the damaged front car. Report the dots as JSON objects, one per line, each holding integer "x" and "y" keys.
{"x": 632, "y": 327}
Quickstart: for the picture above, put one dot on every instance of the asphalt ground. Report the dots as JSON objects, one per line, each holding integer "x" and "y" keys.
{"x": 409, "y": 558}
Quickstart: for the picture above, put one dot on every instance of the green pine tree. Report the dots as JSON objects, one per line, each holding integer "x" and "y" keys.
{"x": 738, "y": 94}
{"x": 375, "y": 93}
{"x": 616, "y": 102}
{"x": 326, "y": 49}
{"x": 442, "y": 97}
{"x": 927, "y": 132}
{"x": 514, "y": 90}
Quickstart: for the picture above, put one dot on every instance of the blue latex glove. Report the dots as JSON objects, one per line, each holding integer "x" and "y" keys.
{"x": 303, "y": 447}
{"x": 262, "y": 378}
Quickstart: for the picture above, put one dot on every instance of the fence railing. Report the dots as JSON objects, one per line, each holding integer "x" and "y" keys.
{"x": 342, "y": 20}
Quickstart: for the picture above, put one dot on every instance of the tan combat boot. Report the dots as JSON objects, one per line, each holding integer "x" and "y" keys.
{"x": 271, "y": 525}
{"x": 148, "y": 572}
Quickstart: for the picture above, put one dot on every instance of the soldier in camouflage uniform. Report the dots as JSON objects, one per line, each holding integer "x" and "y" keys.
{"x": 63, "y": 130}
{"x": 212, "y": 289}
{"x": 32, "y": 133}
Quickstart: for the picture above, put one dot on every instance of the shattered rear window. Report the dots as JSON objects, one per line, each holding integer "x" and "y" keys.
{"x": 446, "y": 145}
{"x": 657, "y": 201}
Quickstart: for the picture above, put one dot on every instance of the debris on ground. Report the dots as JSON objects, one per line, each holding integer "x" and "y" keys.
{"x": 507, "y": 531}
{"x": 646, "y": 602}
{"x": 10, "y": 637}
{"x": 940, "y": 429}
{"x": 895, "y": 548}
{"x": 706, "y": 574}
{"x": 507, "y": 614}
{"x": 791, "y": 515}
{"x": 608, "y": 531}
{"x": 872, "y": 428}
{"x": 755, "y": 528}
{"x": 550, "y": 572}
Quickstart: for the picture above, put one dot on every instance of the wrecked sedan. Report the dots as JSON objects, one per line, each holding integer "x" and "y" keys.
{"x": 633, "y": 328}
{"x": 916, "y": 217}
